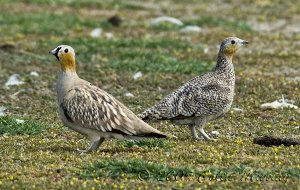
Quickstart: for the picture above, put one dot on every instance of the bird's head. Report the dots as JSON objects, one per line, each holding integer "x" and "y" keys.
{"x": 230, "y": 45}
{"x": 66, "y": 56}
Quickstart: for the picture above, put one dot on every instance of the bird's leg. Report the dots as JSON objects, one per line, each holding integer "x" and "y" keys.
{"x": 95, "y": 143}
{"x": 205, "y": 135}
{"x": 200, "y": 123}
{"x": 194, "y": 132}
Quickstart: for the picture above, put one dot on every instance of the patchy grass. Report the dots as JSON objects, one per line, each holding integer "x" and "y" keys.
{"x": 157, "y": 63}
{"x": 138, "y": 169}
{"x": 210, "y": 21}
{"x": 141, "y": 170}
{"x": 112, "y": 4}
{"x": 55, "y": 25}
{"x": 149, "y": 143}
{"x": 36, "y": 156}
{"x": 157, "y": 55}
{"x": 15, "y": 126}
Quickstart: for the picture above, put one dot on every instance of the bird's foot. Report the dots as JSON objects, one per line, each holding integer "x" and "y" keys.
{"x": 197, "y": 138}
{"x": 81, "y": 152}
{"x": 93, "y": 147}
{"x": 206, "y": 137}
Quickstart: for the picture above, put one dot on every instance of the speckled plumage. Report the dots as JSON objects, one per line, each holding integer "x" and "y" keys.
{"x": 91, "y": 111}
{"x": 204, "y": 97}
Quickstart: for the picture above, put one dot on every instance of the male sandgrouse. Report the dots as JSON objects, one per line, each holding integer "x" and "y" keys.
{"x": 202, "y": 98}
{"x": 91, "y": 111}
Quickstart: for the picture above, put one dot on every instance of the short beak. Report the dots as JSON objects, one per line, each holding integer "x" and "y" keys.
{"x": 53, "y": 52}
{"x": 245, "y": 42}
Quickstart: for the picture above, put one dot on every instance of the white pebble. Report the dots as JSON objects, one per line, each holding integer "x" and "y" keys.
{"x": 137, "y": 75}
{"x": 205, "y": 50}
{"x": 14, "y": 80}
{"x": 215, "y": 133}
{"x": 128, "y": 94}
{"x": 109, "y": 35}
{"x": 237, "y": 109}
{"x": 2, "y": 109}
{"x": 167, "y": 19}
{"x": 19, "y": 121}
{"x": 96, "y": 33}
{"x": 34, "y": 74}
{"x": 276, "y": 105}
{"x": 190, "y": 29}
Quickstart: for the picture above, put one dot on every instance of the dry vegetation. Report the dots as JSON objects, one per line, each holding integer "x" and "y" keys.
{"x": 41, "y": 153}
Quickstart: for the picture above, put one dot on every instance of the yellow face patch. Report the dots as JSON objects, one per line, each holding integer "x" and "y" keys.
{"x": 67, "y": 61}
{"x": 230, "y": 50}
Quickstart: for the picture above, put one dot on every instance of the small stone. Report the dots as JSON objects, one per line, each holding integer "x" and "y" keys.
{"x": 277, "y": 104}
{"x": 190, "y": 29}
{"x": 34, "y": 74}
{"x": 137, "y": 75}
{"x": 215, "y": 133}
{"x": 167, "y": 19}
{"x": 2, "y": 109}
{"x": 19, "y": 121}
{"x": 109, "y": 35}
{"x": 14, "y": 80}
{"x": 237, "y": 109}
{"x": 205, "y": 50}
{"x": 128, "y": 94}
{"x": 96, "y": 33}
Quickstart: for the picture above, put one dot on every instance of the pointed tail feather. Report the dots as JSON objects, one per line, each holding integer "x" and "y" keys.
{"x": 155, "y": 135}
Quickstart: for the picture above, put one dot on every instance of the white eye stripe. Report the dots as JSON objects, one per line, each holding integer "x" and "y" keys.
{"x": 65, "y": 49}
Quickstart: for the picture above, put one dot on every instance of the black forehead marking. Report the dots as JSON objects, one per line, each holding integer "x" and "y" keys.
{"x": 56, "y": 53}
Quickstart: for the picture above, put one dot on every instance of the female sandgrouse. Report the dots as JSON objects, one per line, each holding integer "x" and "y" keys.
{"x": 91, "y": 111}
{"x": 202, "y": 98}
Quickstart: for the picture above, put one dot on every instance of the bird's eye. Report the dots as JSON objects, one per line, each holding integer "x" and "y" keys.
{"x": 232, "y": 42}
{"x": 66, "y": 50}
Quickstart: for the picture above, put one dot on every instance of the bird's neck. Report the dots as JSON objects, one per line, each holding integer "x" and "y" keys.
{"x": 65, "y": 81}
{"x": 68, "y": 67}
{"x": 67, "y": 73}
{"x": 225, "y": 69}
{"x": 224, "y": 62}
{"x": 67, "y": 63}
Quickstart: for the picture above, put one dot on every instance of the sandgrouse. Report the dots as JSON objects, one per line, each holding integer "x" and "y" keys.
{"x": 91, "y": 111}
{"x": 202, "y": 98}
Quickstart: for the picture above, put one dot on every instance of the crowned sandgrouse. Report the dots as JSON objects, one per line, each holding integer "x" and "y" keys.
{"x": 202, "y": 98}
{"x": 91, "y": 111}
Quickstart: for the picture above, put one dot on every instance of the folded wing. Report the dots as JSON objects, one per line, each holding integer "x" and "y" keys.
{"x": 94, "y": 108}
